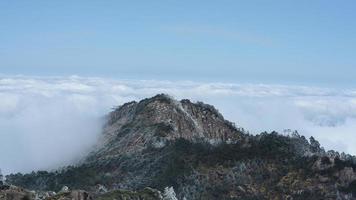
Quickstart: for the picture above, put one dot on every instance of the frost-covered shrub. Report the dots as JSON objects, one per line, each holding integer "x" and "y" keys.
{"x": 169, "y": 194}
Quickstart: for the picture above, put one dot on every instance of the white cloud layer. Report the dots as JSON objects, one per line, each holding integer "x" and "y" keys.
{"x": 49, "y": 122}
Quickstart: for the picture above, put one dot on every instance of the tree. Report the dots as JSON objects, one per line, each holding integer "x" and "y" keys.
{"x": 314, "y": 145}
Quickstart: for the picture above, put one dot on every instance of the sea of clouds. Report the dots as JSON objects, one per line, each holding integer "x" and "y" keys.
{"x": 47, "y": 122}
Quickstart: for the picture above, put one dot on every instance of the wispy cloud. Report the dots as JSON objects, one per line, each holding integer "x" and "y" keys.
{"x": 50, "y": 121}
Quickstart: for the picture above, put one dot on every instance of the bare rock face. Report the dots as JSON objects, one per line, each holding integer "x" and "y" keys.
{"x": 152, "y": 122}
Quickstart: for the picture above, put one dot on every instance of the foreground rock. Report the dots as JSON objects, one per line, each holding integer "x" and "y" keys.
{"x": 161, "y": 142}
{"x": 15, "y": 193}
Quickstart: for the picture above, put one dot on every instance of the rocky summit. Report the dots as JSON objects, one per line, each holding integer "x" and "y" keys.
{"x": 154, "y": 122}
{"x": 187, "y": 150}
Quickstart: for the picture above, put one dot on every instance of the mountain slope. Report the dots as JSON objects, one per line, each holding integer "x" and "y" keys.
{"x": 160, "y": 142}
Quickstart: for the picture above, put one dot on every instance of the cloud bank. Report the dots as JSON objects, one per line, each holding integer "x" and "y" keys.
{"x": 46, "y": 122}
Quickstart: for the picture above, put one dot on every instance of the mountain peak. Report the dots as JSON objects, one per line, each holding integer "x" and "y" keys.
{"x": 153, "y": 121}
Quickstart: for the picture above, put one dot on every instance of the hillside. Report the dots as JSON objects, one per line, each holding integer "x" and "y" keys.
{"x": 160, "y": 142}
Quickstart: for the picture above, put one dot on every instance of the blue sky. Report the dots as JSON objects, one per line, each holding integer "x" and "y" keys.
{"x": 299, "y": 42}
{"x": 311, "y": 44}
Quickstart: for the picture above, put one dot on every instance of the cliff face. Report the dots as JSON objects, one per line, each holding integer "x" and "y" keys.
{"x": 161, "y": 142}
